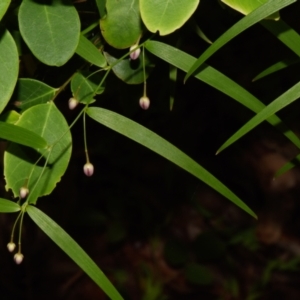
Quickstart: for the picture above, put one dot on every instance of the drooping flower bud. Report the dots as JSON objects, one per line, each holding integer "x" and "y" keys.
{"x": 144, "y": 102}
{"x": 135, "y": 54}
{"x": 11, "y": 246}
{"x": 23, "y": 192}
{"x": 73, "y": 103}
{"x": 18, "y": 258}
{"x": 88, "y": 169}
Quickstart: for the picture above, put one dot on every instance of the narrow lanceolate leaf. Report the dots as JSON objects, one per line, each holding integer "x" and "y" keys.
{"x": 30, "y": 92}
{"x": 157, "y": 144}
{"x": 7, "y": 206}
{"x": 9, "y": 67}
{"x": 50, "y": 29}
{"x": 276, "y": 67}
{"x": 22, "y": 166}
{"x": 21, "y": 136}
{"x": 73, "y": 250}
{"x": 285, "y": 99}
{"x": 166, "y": 16}
{"x": 257, "y": 15}
{"x": 87, "y": 50}
{"x": 4, "y": 4}
{"x": 219, "y": 81}
{"x": 121, "y": 27}
{"x": 285, "y": 34}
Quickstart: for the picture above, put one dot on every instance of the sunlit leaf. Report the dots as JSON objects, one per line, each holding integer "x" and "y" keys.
{"x": 20, "y": 165}
{"x": 4, "y": 4}
{"x": 11, "y": 117}
{"x": 73, "y": 250}
{"x": 157, "y": 144}
{"x": 50, "y": 29}
{"x": 255, "y": 16}
{"x": 7, "y": 206}
{"x": 166, "y": 16}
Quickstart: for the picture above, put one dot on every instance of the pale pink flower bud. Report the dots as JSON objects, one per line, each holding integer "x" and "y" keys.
{"x": 135, "y": 54}
{"x": 73, "y": 103}
{"x": 18, "y": 258}
{"x": 88, "y": 169}
{"x": 23, "y": 192}
{"x": 144, "y": 102}
{"x": 11, "y": 246}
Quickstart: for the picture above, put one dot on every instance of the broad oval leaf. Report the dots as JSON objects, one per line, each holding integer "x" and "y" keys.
{"x": 73, "y": 250}
{"x": 121, "y": 27}
{"x": 84, "y": 86}
{"x": 130, "y": 71}
{"x": 7, "y": 206}
{"x": 50, "y": 29}
{"x": 168, "y": 15}
{"x": 247, "y": 6}
{"x": 21, "y": 136}
{"x": 255, "y": 16}
{"x": 4, "y": 4}
{"x": 20, "y": 165}
{"x": 157, "y": 144}
{"x": 87, "y": 50}
{"x": 30, "y": 92}
{"x": 9, "y": 67}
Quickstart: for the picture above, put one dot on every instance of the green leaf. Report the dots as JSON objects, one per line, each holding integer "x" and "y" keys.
{"x": 121, "y": 27}
{"x": 87, "y": 50}
{"x": 21, "y": 136}
{"x": 7, "y": 206}
{"x": 130, "y": 71}
{"x": 50, "y": 29}
{"x": 276, "y": 67}
{"x": 249, "y": 20}
{"x": 194, "y": 27}
{"x": 288, "y": 166}
{"x": 10, "y": 117}
{"x": 20, "y": 167}
{"x": 166, "y": 16}
{"x": 9, "y": 67}
{"x": 101, "y": 7}
{"x": 162, "y": 147}
{"x": 30, "y": 92}
{"x": 247, "y": 6}
{"x": 4, "y": 4}
{"x": 283, "y": 100}
{"x": 73, "y": 250}
{"x": 219, "y": 81}
{"x": 84, "y": 88}
{"x": 285, "y": 34}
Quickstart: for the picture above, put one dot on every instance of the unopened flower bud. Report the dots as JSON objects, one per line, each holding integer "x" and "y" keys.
{"x": 73, "y": 103}
{"x": 23, "y": 192}
{"x": 135, "y": 54}
{"x": 88, "y": 169}
{"x": 18, "y": 258}
{"x": 11, "y": 246}
{"x": 144, "y": 102}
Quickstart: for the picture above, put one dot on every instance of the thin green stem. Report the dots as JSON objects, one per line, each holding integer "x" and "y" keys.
{"x": 84, "y": 138}
{"x": 20, "y": 231}
{"x": 14, "y": 227}
{"x": 89, "y": 28}
{"x": 144, "y": 73}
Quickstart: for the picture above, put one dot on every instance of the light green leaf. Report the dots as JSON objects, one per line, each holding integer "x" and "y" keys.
{"x": 87, "y": 50}
{"x": 50, "y": 29}
{"x": 249, "y": 20}
{"x": 11, "y": 117}
{"x": 84, "y": 88}
{"x": 4, "y": 4}
{"x": 9, "y": 67}
{"x": 21, "y": 136}
{"x": 247, "y": 6}
{"x": 30, "y": 92}
{"x": 157, "y": 144}
{"x": 101, "y": 7}
{"x": 7, "y": 206}
{"x": 219, "y": 81}
{"x": 288, "y": 166}
{"x": 166, "y": 16}
{"x": 20, "y": 167}
{"x": 130, "y": 71}
{"x": 283, "y": 100}
{"x": 276, "y": 67}
{"x": 121, "y": 27}
{"x": 73, "y": 250}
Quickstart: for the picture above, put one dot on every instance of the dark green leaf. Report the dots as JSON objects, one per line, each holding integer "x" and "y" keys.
{"x": 7, "y": 206}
